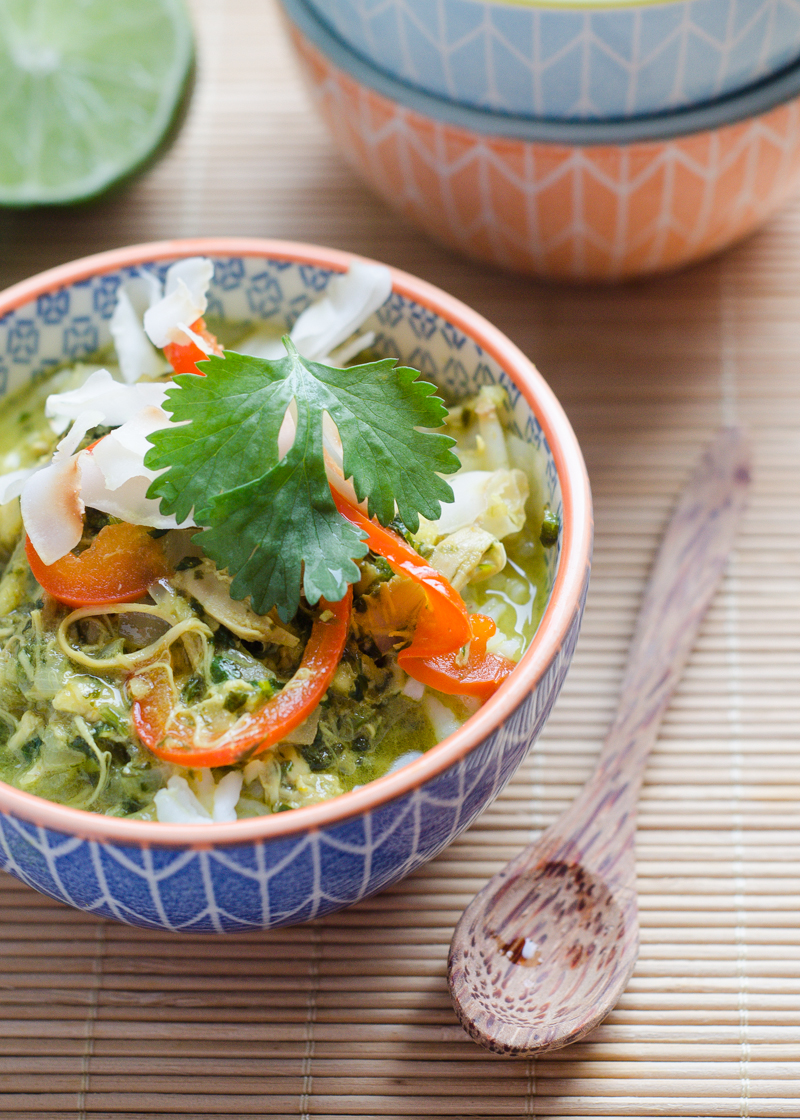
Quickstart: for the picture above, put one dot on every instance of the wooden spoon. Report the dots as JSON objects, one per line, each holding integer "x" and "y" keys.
{"x": 543, "y": 953}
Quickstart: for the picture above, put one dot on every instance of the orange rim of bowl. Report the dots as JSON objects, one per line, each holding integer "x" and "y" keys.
{"x": 561, "y": 609}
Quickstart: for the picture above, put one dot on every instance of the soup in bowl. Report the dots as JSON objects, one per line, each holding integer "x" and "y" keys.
{"x": 205, "y": 754}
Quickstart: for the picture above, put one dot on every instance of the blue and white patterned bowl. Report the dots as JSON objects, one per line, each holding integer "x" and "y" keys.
{"x": 279, "y": 870}
{"x": 572, "y": 59}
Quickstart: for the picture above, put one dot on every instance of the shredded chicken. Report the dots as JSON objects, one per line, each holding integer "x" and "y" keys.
{"x": 468, "y": 556}
{"x": 211, "y": 589}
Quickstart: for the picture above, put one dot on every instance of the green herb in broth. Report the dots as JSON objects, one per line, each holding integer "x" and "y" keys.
{"x": 65, "y": 730}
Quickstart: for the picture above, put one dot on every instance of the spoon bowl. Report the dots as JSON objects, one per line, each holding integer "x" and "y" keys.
{"x": 547, "y": 940}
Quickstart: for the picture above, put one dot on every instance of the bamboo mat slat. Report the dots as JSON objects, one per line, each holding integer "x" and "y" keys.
{"x": 349, "y": 1017}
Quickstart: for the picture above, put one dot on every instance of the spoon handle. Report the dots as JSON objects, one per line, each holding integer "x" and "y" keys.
{"x": 566, "y": 905}
{"x": 688, "y": 568}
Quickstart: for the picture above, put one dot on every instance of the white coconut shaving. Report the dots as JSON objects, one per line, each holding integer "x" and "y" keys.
{"x": 180, "y": 804}
{"x": 110, "y": 476}
{"x": 349, "y": 300}
{"x": 200, "y": 342}
{"x": 50, "y": 499}
{"x": 161, "y": 321}
{"x": 114, "y": 478}
{"x": 227, "y": 794}
{"x": 196, "y": 273}
{"x": 184, "y": 301}
{"x": 136, "y": 354}
{"x": 11, "y": 483}
{"x": 115, "y": 402}
{"x": 144, "y": 289}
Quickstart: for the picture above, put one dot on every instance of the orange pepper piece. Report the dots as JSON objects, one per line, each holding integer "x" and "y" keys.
{"x": 117, "y": 567}
{"x": 183, "y": 357}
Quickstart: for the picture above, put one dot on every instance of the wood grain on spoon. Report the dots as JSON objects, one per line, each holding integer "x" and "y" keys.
{"x": 544, "y": 951}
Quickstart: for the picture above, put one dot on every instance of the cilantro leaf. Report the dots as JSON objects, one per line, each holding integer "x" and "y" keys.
{"x": 224, "y": 432}
{"x": 377, "y": 409}
{"x": 312, "y": 534}
{"x": 273, "y": 524}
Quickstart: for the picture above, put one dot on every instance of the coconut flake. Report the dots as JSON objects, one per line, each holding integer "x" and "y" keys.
{"x": 161, "y": 320}
{"x": 414, "y": 690}
{"x": 184, "y": 301}
{"x": 200, "y": 342}
{"x": 328, "y": 323}
{"x": 196, "y": 273}
{"x": 11, "y": 483}
{"x": 177, "y": 804}
{"x": 121, "y": 453}
{"x": 144, "y": 290}
{"x": 226, "y": 796}
{"x": 50, "y": 500}
{"x": 404, "y": 760}
{"x": 114, "y": 478}
{"x": 128, "y": 501}
{"x": 443, "y": 719}
{"x": 110, "y": 476}
{"x": 136, "y": 354}
{"x": 349, "y": 299}
{"x": 116, "y": 403}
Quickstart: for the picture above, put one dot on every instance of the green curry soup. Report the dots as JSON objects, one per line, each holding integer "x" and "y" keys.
{"x": 66, "y": 732}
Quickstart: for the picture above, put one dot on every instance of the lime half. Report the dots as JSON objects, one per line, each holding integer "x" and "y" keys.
{"x": 88, "y": 90}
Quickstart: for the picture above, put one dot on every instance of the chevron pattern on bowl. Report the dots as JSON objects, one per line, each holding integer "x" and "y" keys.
{"x": 568, "y": 211}
{"x": 572, "y": 61}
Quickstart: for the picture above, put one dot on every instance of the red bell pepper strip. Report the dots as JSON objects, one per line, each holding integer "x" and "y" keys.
{"x": 183, "y": 357}
{"x": 117, "y": 567}
{"x": 443, "y": 623}
{"x": 437, "y": 655}
{"x": 471, "y": 672}
{"x": 158, "y": 724}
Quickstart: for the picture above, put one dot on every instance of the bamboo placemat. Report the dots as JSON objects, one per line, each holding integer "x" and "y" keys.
{"x": 350, "y": 1016}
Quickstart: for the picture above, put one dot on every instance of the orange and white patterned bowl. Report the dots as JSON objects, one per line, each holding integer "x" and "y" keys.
{"x": 576, "y": 200}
